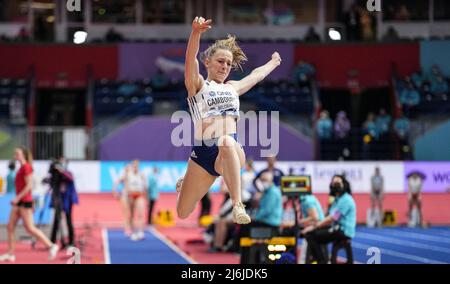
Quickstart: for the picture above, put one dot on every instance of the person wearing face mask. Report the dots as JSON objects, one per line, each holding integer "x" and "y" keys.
{"x": 270, "y": 209}
{"x": 339, "y": 225}
{"x": 268, "y": 214}
{"x": 276, "y": 173}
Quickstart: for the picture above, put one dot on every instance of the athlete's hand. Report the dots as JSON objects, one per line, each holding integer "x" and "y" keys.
{"x": 276, "y": 58}
{"x": 14, "y": 202}
{"x": 201, "y": 25}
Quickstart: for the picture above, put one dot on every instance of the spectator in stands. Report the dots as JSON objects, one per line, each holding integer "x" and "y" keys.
{"x": 341, "y": 125}
{"x": 23, "y": 35}
{"x": 324, "y": 126}
{"x": 339, "y": 225}
{"x": 434, "y": 74}
{"x": 342, "y": 138}
{"x": 352, "y": 23}
{"x": 370, "y": 137}
{"x": 303, "y": 73}
{"x": 409, "y": 97}
{"x": 439, "y": 87}
{"x": 391, "y": 35}
{"x": 370, "y": 127}
{"x": 10, "y": 178}
{"x": 418, "y": 79}
{"x": 127, "y": 88}
{"x": 403, "y": 14}
{"x": 311, "y": 35}
{"x": 383, "y": 122}
{"x": 368, "y": 22}
{"x": 113, "y": 36}
{"x": 153, "y": 194}
{"x": 282, "y": 14}
{"x": 401, "y": 129}
{"x": 159, "y": 81}
{"x": 324, "y": 129}
{"x": 276, "y": 174}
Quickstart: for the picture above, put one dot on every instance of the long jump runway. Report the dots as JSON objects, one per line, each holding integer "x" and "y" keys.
{"x": 154, "y": 249}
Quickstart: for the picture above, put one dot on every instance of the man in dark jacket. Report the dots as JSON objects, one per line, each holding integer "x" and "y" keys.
{"x": 64, "y": 195}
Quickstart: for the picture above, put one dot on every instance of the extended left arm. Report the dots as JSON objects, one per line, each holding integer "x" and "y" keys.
{"x": 257, "y": 75}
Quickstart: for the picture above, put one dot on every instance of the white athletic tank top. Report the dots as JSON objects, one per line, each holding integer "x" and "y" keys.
{"x": 415, "y": 184}
{"x": 214, "y": 100}
{"x": 134, "y": 182}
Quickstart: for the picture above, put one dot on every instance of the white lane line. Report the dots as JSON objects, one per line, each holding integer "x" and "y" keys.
{"x": 404, "y": 243}
{"x": 397, "y": 254}
{"x": 171, "y": 245}
{"x": 105, "y": 240}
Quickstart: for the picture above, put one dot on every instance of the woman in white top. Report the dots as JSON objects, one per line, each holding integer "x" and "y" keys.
{"x": 415, "y": 182}
{"x": 214, "y": 106}
{"x": 133, "y": 199}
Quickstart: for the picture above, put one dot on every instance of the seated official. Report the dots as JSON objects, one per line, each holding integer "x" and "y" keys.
{"x": 270, "y": 210}
{"x": 268, "y": 214}
{"x": 312, "y": 212}
{"x": 340, "y": 225}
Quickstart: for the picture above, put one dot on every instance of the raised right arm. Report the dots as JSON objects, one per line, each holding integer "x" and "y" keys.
{"x": 192, "y": 78}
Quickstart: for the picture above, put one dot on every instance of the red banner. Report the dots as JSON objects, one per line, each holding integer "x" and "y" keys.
{"x": 371, "y": 65}
{"x": 58, "y": 65}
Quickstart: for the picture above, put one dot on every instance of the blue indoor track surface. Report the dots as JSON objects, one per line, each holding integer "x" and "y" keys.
{"x": 151, "y": 250}
{"x": 403, "y": 245}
